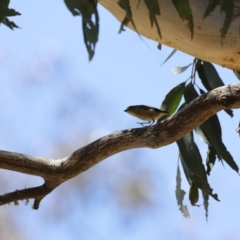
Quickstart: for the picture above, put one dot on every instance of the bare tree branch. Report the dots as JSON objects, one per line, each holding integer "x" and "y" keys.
{"x": 55, "y": 172}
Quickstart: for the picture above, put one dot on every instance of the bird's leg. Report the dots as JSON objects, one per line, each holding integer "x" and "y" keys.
{"x": 150, "y": 123}
{"x": 142, "y": 123}
{"x": 153, "y": 121}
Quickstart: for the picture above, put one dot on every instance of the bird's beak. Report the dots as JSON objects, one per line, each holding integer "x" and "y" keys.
{"x": 125, "y": 110}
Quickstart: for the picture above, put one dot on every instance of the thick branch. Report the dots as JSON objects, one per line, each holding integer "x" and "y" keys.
{"x": 206, "y": 42}
{"x": 166, "y": 132}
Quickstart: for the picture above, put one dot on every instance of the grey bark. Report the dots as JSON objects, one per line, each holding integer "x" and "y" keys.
{"x": 55, "y": 172}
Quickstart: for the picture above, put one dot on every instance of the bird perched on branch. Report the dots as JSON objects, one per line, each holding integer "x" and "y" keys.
{"x": 146, "y": 113}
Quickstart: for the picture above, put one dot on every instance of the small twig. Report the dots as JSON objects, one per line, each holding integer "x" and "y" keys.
{"x": 38, "y": 193}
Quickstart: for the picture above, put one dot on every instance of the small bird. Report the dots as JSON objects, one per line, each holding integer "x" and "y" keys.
{"x": 146, "y": 113}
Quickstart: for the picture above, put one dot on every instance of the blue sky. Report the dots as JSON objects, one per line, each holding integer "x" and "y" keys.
{"x": 53, "y": 101}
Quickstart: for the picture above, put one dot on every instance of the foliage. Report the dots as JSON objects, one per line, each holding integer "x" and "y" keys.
{"x": 210, "y": 131}
{"x": 90, "y": 18}
{"x": 6, "y": 12}
{"x": 88, "y": 10}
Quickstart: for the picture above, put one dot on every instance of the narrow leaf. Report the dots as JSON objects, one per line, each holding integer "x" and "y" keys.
{"x": 237, "y": 74}
{"x": 154, "y": 10}
{"x": 125, "y": 5}
{"x": 191, "y": 156}
{"x": 211, "y": 80}
{"x": 90, "y": 21}
{"x": 211, "y": 158}
{"x": 203, "y": 77}
{"x": 211, "y": 6}
{"x": 212, "y": 130}
{"x": 185, "y": 12}
{"x": 180, "y": 195}
{"x": 192, "y": 164}
{"x": 173, "y": 98}
{"x": 179, "y": 192}
{"x": 7, "y": 12}
{"x": 227, "y": 7}
{"x": 205, "y": 203}
{"x": 9, "y": 23}
{"x": 169, "y": 56}
{"x": 193, "y": 195}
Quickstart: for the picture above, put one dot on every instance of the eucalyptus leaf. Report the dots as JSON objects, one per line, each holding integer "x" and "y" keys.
{"x": 211, "y": 158}
{"x": 211, "y": 73}
{"x": 7, "y": 12}
{"x": 227, "y": 6}
{"x": 90, "y": 21}
{"x": 173, "y": 98}
{"x": 237, "y": 74}
{"x": 179, "y": 192}
{"x": 211, "y": 79}
{"x": 125, "y": 5}
{"x": 154, "y": 10}
{"x": 193, "y": 195}
{"x": 192, "y": 164}
{"x": 205, "y": 203}
{"x": 169, "y": 56}
{"x": 9, "y": 23}
{"x": 211, "y": 6}
{"x": 185, "y": 12}
{"x": 212, "y": 130}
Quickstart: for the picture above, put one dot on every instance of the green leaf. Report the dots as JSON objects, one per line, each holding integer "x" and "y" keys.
{"x": 237, "y": 74}
{"x": 209, "y": 130}
{"x": 192, "y": 164}
{"x": 125, "y": 5}
{"x": 190, "y": 93}
{"x": 90, "y": 21}
{"x": 7, "y": 12}
{"x": 211, "y": 158}
{"x": 212, "y": 130}
{"x": 169, "y": 56}
{"x": 227, "y": 6}
{"x": 4, "y": 12}
{"x": 205, "y": 203}
{"x": 211, "y": 6}
{"x": 179, "y": 192}
{"x": 191, "y": 156}
{"x": 153, "y": 9}
{"x": 201, "y": 91}
{"x": 211, "y": 80}
{"x": 9, "y": 23}
{"x": 185, "y": 12}
{"x": 173, "y": 98}
{"x": 193, "y": 194}
{"x": 203, "y": 77}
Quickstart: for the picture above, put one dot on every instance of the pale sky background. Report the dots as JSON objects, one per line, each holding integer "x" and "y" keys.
{"x": 52, "y": 95}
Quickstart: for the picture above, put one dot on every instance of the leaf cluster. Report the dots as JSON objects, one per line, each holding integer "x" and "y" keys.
{"x": 209, "y": 132}
{"x": 88, "y": 10}
{"x": 90, "y": 17}
{"x": 6, "y": 12}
